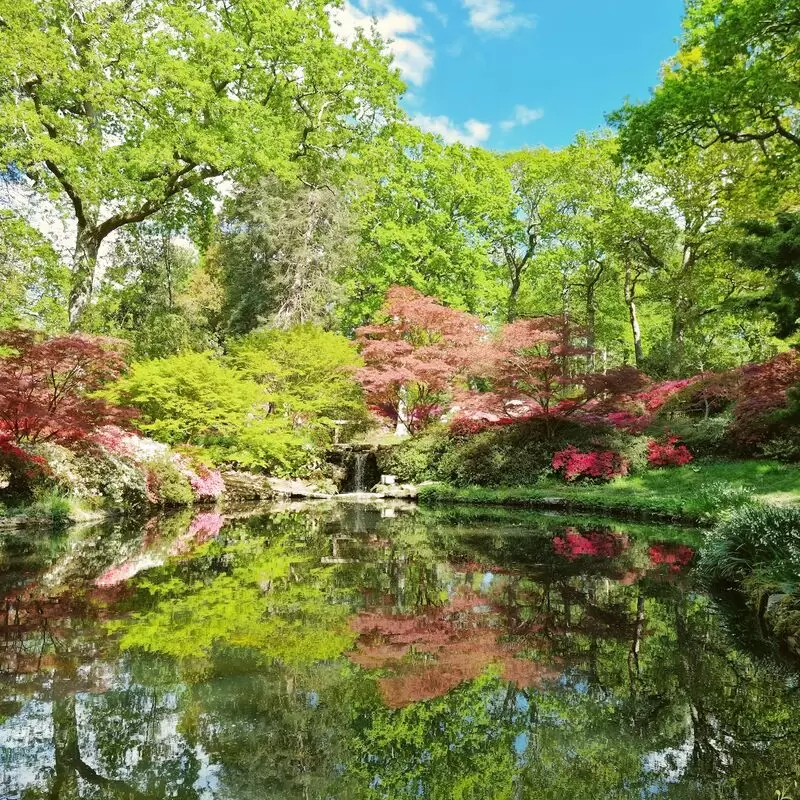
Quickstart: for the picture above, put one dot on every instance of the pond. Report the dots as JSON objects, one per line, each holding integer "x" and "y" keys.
{"x": 345, "y": 651}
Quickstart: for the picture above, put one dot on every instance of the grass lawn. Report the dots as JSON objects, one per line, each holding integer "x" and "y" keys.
{"x": 697, "y": 492}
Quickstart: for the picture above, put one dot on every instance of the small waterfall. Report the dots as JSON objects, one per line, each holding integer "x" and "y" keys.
{"x": 359, "y": 461}
{"x": 358, "y": 465}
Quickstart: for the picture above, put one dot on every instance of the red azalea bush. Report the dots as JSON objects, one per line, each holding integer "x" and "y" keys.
{"x": 573, "y": 465}
{"x": 668, "y": 453}
{"x": 596, "y": 544}
{"x": 675, "y": 556}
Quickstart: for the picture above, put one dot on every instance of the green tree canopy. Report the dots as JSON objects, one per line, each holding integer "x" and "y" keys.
{"x": 116, "y": 108}
{"x": 736, "y": 78}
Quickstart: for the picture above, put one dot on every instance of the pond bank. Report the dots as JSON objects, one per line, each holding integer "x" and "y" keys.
{"x": 548, "y": 500}
{"x": 700, "y": 493}
{"x": 57, "y": 510}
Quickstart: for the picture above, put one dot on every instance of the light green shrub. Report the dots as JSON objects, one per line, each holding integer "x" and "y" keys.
{"x": 170, "y": 483}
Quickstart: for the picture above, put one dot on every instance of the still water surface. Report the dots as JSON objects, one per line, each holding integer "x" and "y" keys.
{"x": 340, "y": 652}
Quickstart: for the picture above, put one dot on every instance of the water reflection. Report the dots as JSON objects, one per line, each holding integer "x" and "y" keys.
{"x": 342, "y": 653}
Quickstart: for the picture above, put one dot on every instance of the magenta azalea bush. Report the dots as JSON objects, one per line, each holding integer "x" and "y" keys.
{"x": 574, "y": 465}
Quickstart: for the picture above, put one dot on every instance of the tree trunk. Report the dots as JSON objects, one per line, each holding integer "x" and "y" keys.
{"x": 677, "y": 340}
{"x": 84, "y": 268}
{"x": 402, "y": 428}
{"x": 630, "y": 302}
{"x": 591, "y": 325}
{"x": 513, "y": 294}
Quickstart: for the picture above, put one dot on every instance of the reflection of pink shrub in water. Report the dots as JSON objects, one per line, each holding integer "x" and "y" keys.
{"x": 120, "y": 573}
{"x": 675, "y": 556}
{"x": 202, "y": 528}
{"x": 595, "y": 544}
{"x": 206, "y": 526}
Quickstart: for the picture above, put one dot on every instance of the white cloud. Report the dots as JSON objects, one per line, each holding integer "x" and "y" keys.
{"x": 522, "y": 116}
{"x": 403, "y": 32}
{"x": 472, "y": 133}
{"x": 497, "y": 17}
{"x": 435, "y": 11}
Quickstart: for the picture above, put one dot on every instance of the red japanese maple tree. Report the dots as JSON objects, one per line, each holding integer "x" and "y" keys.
{"x": 537, "y": 369}
{"x": 413, "y": 354}
{"x": 764, "y": 390}
{"x": 47, "y": 386}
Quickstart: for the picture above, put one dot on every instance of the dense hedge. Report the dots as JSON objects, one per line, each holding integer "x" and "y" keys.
{"x": 509, "y": 455}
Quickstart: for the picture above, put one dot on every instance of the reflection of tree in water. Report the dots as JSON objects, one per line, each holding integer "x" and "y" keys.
{"x": 488, "y": 665}
{"x": 99, "y": 731}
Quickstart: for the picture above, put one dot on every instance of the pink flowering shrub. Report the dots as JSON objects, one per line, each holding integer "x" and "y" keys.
{"x": 573, "y": 465}
{"x": 668, "y": 453}
{"x": 595, "y": 544}
{"x": 206, "y": 526}
{"x": 207, "y": 484}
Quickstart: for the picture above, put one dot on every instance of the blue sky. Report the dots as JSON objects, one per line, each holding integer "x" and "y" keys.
{"x": 511, "y": 73}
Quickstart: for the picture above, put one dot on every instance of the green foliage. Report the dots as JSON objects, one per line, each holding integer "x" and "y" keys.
{"x": 705, "y": 437}
{"x": 188, "y": 399}
{"x": 417, "y": 459}
{"x": 307, "y": 374}
{"x": 35, "y": 283}
{"x": 171, "y": 485}
{"x": 271, "y": 405}
{"x": 421, "y": 210}
{"x": 775, "y": 248}
{"x": 510, "y": 455}
{"x": 761, "y": 539}
{"x": 153, "y": 294}
{"x": 734, "y": 79}
{"x": 197, "y": 400}
{"x": 50, "y": 504}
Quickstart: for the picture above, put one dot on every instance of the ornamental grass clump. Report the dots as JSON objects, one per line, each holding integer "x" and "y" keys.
{"x": 755, "y": 539}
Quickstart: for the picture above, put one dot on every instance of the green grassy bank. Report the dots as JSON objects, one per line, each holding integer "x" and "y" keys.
{"x": 695, "y": 493}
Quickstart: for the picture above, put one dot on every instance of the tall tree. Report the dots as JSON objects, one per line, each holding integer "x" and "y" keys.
{"x": 422, "y": 209}
{"x": 736, "y": 78}
{"x": 528, "y": 221}
{"x": 775, "y": 248}
{"x": 282, "y": 249}
{"x": 119, "y": 107}
{"x": 696, "y": 282}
